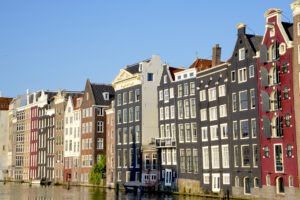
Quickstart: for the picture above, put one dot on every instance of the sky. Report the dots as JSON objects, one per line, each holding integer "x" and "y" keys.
{"x": 60, "y": 43}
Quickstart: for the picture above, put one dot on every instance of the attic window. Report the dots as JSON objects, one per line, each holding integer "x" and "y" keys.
{"x": 179, "y": 77}
{"x": 242, "y": 54}
{"x": 106, "y": 95}
{"x": 140, "y": 67}
{"x": 165, "y": 79}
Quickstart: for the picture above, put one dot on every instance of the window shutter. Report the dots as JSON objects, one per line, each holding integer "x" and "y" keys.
{"x": 264, "y": 77}
{"x": 265, "y": 101}
{"x": 266, "y": 127}
{"x": 263, "y": 54}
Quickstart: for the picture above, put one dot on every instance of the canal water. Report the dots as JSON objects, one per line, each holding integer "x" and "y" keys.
{"x": 22, "y": 191}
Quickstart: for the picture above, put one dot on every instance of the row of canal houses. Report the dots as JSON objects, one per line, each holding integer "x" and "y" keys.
{"x": 223, "y": 127}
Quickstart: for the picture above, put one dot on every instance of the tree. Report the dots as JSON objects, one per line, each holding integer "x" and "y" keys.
{"x": 98, "y": 170}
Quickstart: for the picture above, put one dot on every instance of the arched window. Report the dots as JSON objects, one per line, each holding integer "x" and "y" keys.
{"x": 274, "y": 100}
{"x": 266, "y": 150}
{"x": 274, "y": 76}
{"x": 279, "y": 185}
{"x": 272, "y": 52}
{"x": 285, "y": 68}
{"x": 289, "y": 152}
{"x": 287, "y": 120}
{"x": 247, "y": 185}
{"x": 286, "y": 92}
{"x": 237, "y": 181}
{"x": 276, "y": 126}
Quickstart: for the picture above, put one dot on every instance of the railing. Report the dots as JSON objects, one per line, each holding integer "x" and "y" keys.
{"x": 165, "y": 142}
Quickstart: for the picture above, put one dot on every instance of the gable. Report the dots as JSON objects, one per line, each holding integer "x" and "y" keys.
{"x": 123, "y": 75}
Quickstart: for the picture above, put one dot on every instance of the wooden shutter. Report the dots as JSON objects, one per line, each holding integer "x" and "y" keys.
{"x": 265, "y": 99}
{"x": 263, "y": 54}
{"x": 266, "y": 127}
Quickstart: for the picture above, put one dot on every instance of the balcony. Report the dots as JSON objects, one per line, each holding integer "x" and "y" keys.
{"x": 165, "y": 142}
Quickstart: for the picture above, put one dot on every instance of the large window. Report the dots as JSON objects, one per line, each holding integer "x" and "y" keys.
{"x": 223, "y": 110}
{"x": 182, "y": 161}
{"x": 222, "y": 91}
{"x": 137, "y": 113}
{"x": 242, "y": 75}
{"x": 255, "y": 155}
{"x": 202, "y": 95}
{"x": 235, "y": 130}
{"x": 252, "y": 99}
{"x": 189, "y": 160}
{"x": 224, "y": 131}
{"x": 180, "y": 109}
{"x": 137, "y": 134}
{"x": 204, "y": 134}
{"x": 225, "y": 156}
{"x": 193, "y": 108}
{"x": 234, "y": 102}
{"x": 186, "y": 109}
{"x": 244, "y": 129}
{"x": 166, "y": 95}
{"x": 214, "y": 132}
{"x": 194, "y": 132}
{"x": 212, "y": 95}
{"x": 215, "y": 158}
{"x": 245, "y": 155}
{"x": 243, "y": 100}
{"x": 99, "y": 143}
{"x": 188, "y": 132}
{"x": 195, "y": 161}
{"x": 179, "y": 90}
{"x": 236, "y": 156}
{"x": 253, "y": 128}
{"x": 205, "y": 158}
{"x": 181, "y": 135}
{"x": 100, "y": 127}
{"x": 203, "y": 114}
{"x": 213, "y": 113}
{"x": 278, "y": 158}
{"x": 125, "y": 115}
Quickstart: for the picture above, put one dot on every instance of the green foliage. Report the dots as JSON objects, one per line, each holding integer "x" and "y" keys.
{"x": 98, "y": 170}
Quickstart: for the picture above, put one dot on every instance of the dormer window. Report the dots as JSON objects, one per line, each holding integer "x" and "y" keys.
{"x": 185, "y": 76}
{"x": 106, "y": 95}
{"x": 242, "y": 54}
{"x": 179, "y": 77}
{"x": 140, "y": 67}
{"x": 191, "y": 74}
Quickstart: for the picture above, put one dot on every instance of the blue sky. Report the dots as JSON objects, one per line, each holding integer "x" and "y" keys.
{"x": 60, "y": 43}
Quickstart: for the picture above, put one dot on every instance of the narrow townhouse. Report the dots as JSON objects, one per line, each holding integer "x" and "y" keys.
{"x": 276, "y": 106}
{"x": 27, "y": 122}
{"x": 4, "y": 136}
{"x": 72, "y": 140}
{"x": 243, "y": 114}
{"x": 110, "y": 146}
{"x": 96, "y": 98}
{"x": 295, "y": 6}
{"x": 136, "y": 123}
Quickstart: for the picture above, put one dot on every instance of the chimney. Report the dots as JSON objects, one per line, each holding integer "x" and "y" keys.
{"x": 241, "y": 27}
{"x": 216, "y": 56}
{"x": 27, "y": 95}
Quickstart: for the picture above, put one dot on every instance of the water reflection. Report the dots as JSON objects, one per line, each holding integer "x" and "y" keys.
{"x": 17, "y": 191}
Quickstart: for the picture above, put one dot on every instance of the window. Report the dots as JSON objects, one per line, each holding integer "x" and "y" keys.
{"x": 222, "y": 90}
{"x": 193, "y": 108}
{"x": 187, "y": 132}
{"x": 298, "y": 28}
{"x": 215, "y": 159}
{"x": 234, "y": 102}
{"x": 125, "y": 135}
{"x": 266, "y": 152}
{"x": 205, "y": 157}
{"x": 189, "y": 160}
{"x": 180, "y": 109}
{"x": 255, "y": 155}
{"x": 251, "y": 71}
{"x": 224, "y": 131}
{"x": 213, "y": 113}
{"x": 204, "y": 134}
{"x": 131, "y": 114}
{"x": 125, "y": 157}
{"x": 167, "y": 112}
{"x": 99, "y": 111}
{"x": 182, "y": 161}
{"x": 186, "y": 109}
{"x": 172, "y": 112}
{"x": 235, "y": 130}
{"x": 194, "y": 132}
{"x": 195, "y": 160}
{"x": 243, "y": 100}
{"x": 268, "y": 180}
{"x": 125, "y": 98}
{"x": 161, "y": 113}
{"x": 137, "y": 113}
{"x": 252, "y": 99}
{"x": 244, "y": 129}
{"x": 192, "y": 88}
{"x": 247, "y": 187}
{"x": 242, "y": 75}
{"x": 253, "y": 128}
{"x": 286, "y": 92}
{"x": 161, "y": 95}
{"x": 99, "y": 143}
{"x": 298, "y": 54}
{"x": 214, "y": 132}
{"x": 173, "y": 135}
{"x": 236, "y": 155}
{"x": 138, "y": 158}
{"x": 278, "y": 158}
{"x": 242, "y": 54}
{"x": 223, "y": 110}
{"x": 171, "y": 93}
{"x": 131, "y": 96}
{"x": 203, "y": 114}
{"x": 131, "y": 158}
{"x": 100, "y": 127}
{"x": 206, "y": 178}
{"x": 140, "y": 67}
{"x": 166, "y": 95}
{"x": 186, "y": 89}
{"x": 289, "y": 153}
{"x": 150, "y": 77}
{"x": 245, "y": 155}
{"x": 291, "y": 182}
{"x": 226, "y": 179}
{"x": 174, "y": 154}
{"x": 181, "y": 135}
{"x": 168, "y": 131}
{"x": 131, "y": 134}
{"x": 277, "y": 126}
{"x": 285, "y": 67}
{"x": 165, "y": 79}
{"x": 119, "y": 99}
{"x": 225, "y": 156}
{"x": 274, "y": 75}
{"x": 137, "y": 95}
{"x": 202, "y": 95}
{"x": 179, "y": 90}
{"x": 212, "y": 94}
{"x": 233, "y": 76}
{"x": 119, "y": 116}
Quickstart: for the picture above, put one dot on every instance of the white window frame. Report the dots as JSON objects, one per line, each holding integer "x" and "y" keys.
{"x": 213, "y": 113}
{"x": 204, "y": 139}
{"x": 223, "y": 110}
{"x": 214, "y": 135}
{"x": 203, "y": 114}
{"x": 212, "y": 94}
{"x": 172, "y": 112}
{"x": 242, "y": 54}
{"x": 251, "y": 69}
{"x": 222, "y": 91}
{"x": 202, "y": 95}
{"x": 221, "y": 130}
{"x": 243, "y": 78}
{"x": 206, "y": 178}
{"x": 215, "y": 157}
{"x": 171, "y": 93}
{"x": 240, "y": 102}
{"x": 225, "y": 156}
{"x": 205, "y": 158}
{"x": 226, "y": 179}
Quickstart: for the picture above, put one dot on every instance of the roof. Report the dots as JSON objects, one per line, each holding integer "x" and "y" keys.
{"x": 288, "y": 27}
{"x": 255, "y": 41}
{"x": 134, "y": 68}
{"x": 98, "y": 90}
{"x": 76, "y": 107}
{"x": 174, "y": 70}
{"x": 201, "y": 64}
{"x": 4, "y": 103}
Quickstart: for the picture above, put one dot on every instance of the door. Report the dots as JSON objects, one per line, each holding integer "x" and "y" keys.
{"x": 215, "y": 182}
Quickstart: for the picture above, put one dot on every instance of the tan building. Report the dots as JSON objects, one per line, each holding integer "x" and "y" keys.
{"x": 96, "y": 98}
{"x": 27, "y": 131}
{"x": 110, "y": 146}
